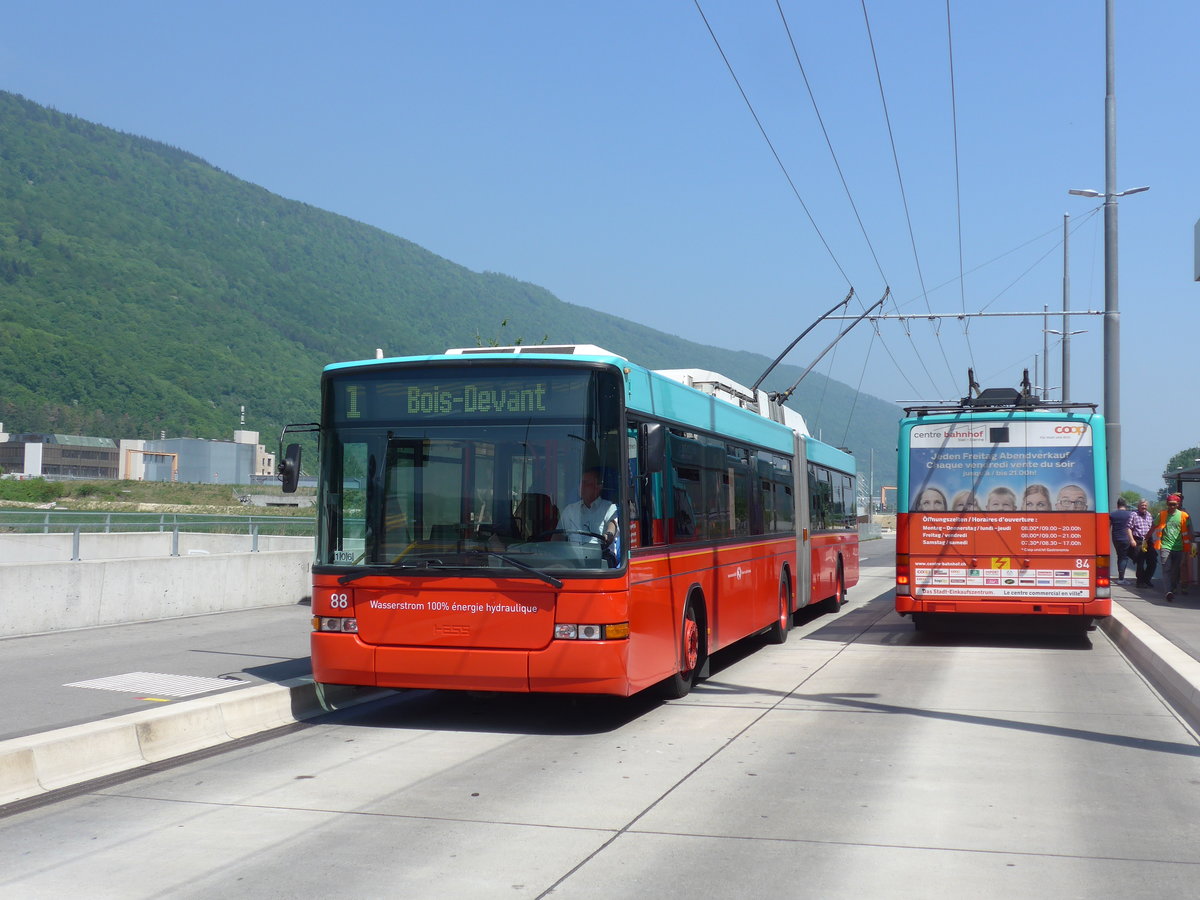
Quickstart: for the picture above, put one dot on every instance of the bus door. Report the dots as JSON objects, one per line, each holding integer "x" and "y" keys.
{"x": 803, "y": 513}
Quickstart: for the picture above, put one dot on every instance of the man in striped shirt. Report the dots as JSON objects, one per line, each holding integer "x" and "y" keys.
{"x": 1141, "y": 525}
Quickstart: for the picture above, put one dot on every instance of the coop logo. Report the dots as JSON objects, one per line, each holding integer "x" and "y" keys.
{"x": 1070, "y": 429}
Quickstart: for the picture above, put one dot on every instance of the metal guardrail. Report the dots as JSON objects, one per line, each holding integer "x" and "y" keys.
{"x": 77, "y": 522}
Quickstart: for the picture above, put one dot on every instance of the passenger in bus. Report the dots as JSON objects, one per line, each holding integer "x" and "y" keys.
{"x": 1071, "y": 498}
{"x": 1036, "y": 498}
{"x": 535, "y": 518}
{"x": 591, "y": 519}
{"x": 1001, "y": 499}
{"x": 931, "y": 500}
{"x": 965, "y": 500}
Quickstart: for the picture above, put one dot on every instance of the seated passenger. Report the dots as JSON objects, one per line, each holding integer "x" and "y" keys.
{"x": 535, "y": 518}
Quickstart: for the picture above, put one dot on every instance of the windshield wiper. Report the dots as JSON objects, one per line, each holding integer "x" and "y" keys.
{"x": 524, "y": 567}
{"x": 438, "y": 564}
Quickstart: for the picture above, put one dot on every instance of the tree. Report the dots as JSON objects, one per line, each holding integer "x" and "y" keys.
{"x": 1184, "y": 459}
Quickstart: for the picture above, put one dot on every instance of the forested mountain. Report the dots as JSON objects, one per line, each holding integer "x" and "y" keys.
{"x": 143, "y": 290}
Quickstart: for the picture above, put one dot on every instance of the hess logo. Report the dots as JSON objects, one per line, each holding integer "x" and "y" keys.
{"x": 452, "y": 630}
{"x": 1069, "y": 429}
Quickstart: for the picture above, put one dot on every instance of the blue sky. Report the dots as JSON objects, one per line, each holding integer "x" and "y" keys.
{"x": 603, "y": 151}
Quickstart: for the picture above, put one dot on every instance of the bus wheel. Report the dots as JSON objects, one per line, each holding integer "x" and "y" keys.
{"x": 834, "y": 604}
{"x": 778, "y": 632}
{"x": 691, "y": 657}
{"x": 922, "y": 622}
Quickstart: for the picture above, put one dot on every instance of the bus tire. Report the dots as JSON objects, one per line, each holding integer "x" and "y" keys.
{"x": 691, "y": 655}
{"x": 834, "y": 604}
{"x": 778, "y": 632}
{"x": 922, "y": 622}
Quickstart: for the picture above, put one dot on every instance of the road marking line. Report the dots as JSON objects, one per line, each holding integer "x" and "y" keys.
{"x": 158, "y": 684}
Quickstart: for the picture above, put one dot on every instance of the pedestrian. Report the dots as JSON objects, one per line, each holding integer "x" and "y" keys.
{"x": 1172, "y": 537}
{"x": 1141, "y": 525}
{"x": 1122, "y": 536}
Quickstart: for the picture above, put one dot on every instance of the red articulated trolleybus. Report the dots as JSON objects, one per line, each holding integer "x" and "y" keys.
{"x": 558, "y": 519}
{"x": 1003, "y": 504}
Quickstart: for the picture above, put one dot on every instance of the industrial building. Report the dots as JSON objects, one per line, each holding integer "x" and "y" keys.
{"x": 64, "y": 456}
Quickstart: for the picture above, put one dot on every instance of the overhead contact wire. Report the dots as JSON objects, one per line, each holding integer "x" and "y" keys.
{"x": 903, "y": 195}
{"x": 767, "y": 138}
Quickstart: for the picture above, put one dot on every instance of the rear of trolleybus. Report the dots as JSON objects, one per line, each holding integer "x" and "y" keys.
{"x": 1004, "y": 511}
{"x": 448, "y": 555}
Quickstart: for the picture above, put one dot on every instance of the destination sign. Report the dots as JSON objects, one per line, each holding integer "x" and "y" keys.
{"x": 484, "y": 393}
{"x": 475, "y": 398}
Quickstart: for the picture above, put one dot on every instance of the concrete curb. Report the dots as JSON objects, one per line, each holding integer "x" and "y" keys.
{"x": 38, "y": 763}
{"x": 1174, "y": 673}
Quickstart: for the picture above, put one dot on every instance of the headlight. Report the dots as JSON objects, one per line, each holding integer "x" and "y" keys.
{"x": 572, "y": 632}
{"x": 335, "y": 624}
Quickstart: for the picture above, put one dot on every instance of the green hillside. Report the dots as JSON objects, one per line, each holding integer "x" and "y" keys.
{"x": 143, "y": 290}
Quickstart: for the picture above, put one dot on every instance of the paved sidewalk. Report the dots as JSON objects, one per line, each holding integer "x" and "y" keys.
{"x": 1162, "y": 640}
{"x": 1177, "y": 621}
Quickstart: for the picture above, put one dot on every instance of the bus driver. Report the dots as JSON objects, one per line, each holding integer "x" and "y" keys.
{"x": 591, "y": 519}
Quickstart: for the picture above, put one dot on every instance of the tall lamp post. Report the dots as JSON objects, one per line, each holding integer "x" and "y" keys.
{"x": 1112, "y": 313}
{"x": 1112, "y": 318}
{"x": 1066, "y": 335}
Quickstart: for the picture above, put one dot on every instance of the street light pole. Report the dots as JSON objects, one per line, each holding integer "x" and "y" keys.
{"x": 1112, "y": 315}
{"x": 1045, "y": 352}
{"x": 1066, "y": 342}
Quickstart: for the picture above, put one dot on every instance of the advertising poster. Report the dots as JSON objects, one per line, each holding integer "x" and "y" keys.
{"x": 997, "y": 509}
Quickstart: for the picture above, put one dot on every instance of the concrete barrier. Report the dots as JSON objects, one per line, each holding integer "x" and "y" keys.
{"x": 35, "y": 764}
{"x": 30, "y": 547}
{"x": 53, "y": 596}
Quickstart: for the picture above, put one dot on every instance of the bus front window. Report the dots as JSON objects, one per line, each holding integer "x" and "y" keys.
{"x": 489, "y": 490}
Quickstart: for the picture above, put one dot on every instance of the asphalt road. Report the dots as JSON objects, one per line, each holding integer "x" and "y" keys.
{"x": 860, "y": 759}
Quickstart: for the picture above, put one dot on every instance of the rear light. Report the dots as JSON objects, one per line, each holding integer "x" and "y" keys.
{"x": 1103, "y": 577}
{"x": 335, "y": 624}
{"x": 903, "y": 584}
{"x": 564, "y": 631}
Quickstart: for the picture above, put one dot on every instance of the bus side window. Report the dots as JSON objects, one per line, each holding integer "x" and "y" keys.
{"x": 646, "y": 527}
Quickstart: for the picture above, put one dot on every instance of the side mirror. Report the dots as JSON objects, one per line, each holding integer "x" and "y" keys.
{"x": 654, "y": 447}
{"x": 289, "y": 469}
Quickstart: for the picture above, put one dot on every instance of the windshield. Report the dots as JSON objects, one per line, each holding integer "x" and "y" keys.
{"x": 472, "y": 467}
{"x": 1002, "y": 466}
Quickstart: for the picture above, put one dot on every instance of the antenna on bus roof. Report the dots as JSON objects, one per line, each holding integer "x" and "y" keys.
{"x": 754, "y": 387}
